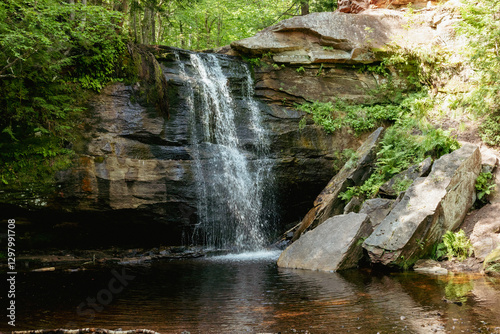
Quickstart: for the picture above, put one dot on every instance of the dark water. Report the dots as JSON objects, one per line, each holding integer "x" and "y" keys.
{"x": 237, "y": 295}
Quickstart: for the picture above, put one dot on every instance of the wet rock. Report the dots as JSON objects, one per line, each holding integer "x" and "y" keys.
{"x": 377, "y": 209}
{"x": 485, "y": 236}
{"x": 318, "y": 82}
{"x": 355, "y": 172}
{"x": 334, "y": 245}
{"x": 430, "y": 207}
{"x": 395, "y": 185}
{"x": 133, "y": 178}
{"x": 429, "y": 267}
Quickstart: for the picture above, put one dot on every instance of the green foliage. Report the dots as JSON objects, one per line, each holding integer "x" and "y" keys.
{"x": 457, "y": 245}
{"x": 300, "y": 70}
{"x": 50, "y": 51}
{"x": 323, "y": 115}
{"x": 359, "y": 118}
{"x": 421, "y": 66}
{"x": 480, "y": 23}
{"x": 438, "y": 251}
{"x": 403, "y": 145}
{"x": 490, "y": 129}
{"x": 484, "y": 185}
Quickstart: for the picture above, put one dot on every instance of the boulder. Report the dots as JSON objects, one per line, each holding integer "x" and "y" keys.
{"x": 492, "y": 263}
{"x": 405, "y": 178}
{"x": 429, "y": 267}
{"x": 489, "y": 159}
{"x": 332, "y": 246}
{"x": 485, "y": 236}
{"x": 377, "y": 209}
{"x": 343, "y": 38}
{"x": 431, "y": 206}
{"x": 354, "y": 173}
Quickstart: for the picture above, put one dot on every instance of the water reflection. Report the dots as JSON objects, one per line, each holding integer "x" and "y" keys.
{"x": 224, "y": 295}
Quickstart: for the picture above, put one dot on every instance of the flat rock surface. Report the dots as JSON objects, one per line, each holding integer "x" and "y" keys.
{"x": 332, "y": 246}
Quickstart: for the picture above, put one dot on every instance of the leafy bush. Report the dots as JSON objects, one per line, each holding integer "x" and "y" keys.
{"x": 490, "y": 129}
{"x": 457, "y": 245}
{"x": 403, "y": 145}
{"x": 484, "y": 185}
{"x": 359, "y": 118}
{"x": 51, "y": 53}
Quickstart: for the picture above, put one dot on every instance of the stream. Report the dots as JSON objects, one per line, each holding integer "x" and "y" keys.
{"x": 248, "y": 293}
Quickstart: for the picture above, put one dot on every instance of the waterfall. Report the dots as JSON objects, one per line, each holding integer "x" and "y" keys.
{"x": 230, "y": 148}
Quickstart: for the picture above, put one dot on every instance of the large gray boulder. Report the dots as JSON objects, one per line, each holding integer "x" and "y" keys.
{"x": 344, "y": 38}
{"x": 334, "y": 245}
{"x": 377, "y": 209}
{"x": 430, "y": 207}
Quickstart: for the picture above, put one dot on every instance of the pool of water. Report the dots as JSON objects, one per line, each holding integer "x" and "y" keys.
{"x": 248, "y": 293}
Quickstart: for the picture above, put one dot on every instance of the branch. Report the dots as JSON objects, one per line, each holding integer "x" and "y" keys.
{"x": 285, "y": 12}
{"x": 26, "y": 55}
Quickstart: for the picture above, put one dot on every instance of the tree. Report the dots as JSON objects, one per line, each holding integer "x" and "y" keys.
{"x": 304, "y": 7}
{"x": 49, "y": 51}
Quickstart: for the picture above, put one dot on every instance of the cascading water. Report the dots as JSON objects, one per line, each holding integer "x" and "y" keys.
{"x": 229, "y": 146}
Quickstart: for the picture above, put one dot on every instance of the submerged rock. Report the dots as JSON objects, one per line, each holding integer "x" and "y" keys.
{"x": 334, "y": 245}
{"x": 430, "y": 267}
{"x": 430, "y": 207}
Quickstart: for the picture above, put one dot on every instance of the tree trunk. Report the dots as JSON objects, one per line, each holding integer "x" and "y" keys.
{"x": 72, "y": 15}
{"x": 183, "y": 40}
{"x": 146, "y": 26}
{"x": 219, "y": 29}
{"x": 207, "y": 29}
{"x": 304, "y": 7}
{"x": 153, "y": 25}
{"x": 137, "y": 36}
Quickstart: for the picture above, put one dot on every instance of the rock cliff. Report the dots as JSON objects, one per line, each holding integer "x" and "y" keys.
{"x": 133, "y": 178}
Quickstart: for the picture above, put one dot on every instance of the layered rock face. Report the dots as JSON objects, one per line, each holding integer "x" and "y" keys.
{"x": 319, "y": 57}
{"x": 134, "y": 178}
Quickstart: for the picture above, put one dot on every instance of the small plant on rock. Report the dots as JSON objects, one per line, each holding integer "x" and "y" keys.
{"x": 457, "y": 245}
{"x": 484, "y": 186}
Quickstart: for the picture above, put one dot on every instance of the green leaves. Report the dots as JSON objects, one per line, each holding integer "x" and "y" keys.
{"x": 50, "y": 51}
{"x": 457, "y": 245}
{"x": 481, "y": 25}
{"x": 484, "y": 185}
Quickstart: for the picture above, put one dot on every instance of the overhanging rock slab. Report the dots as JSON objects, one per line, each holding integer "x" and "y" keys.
{"x": 354, "y": 172}
{"x": 431, "y": 206}
{"x": 334, "y": 245}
